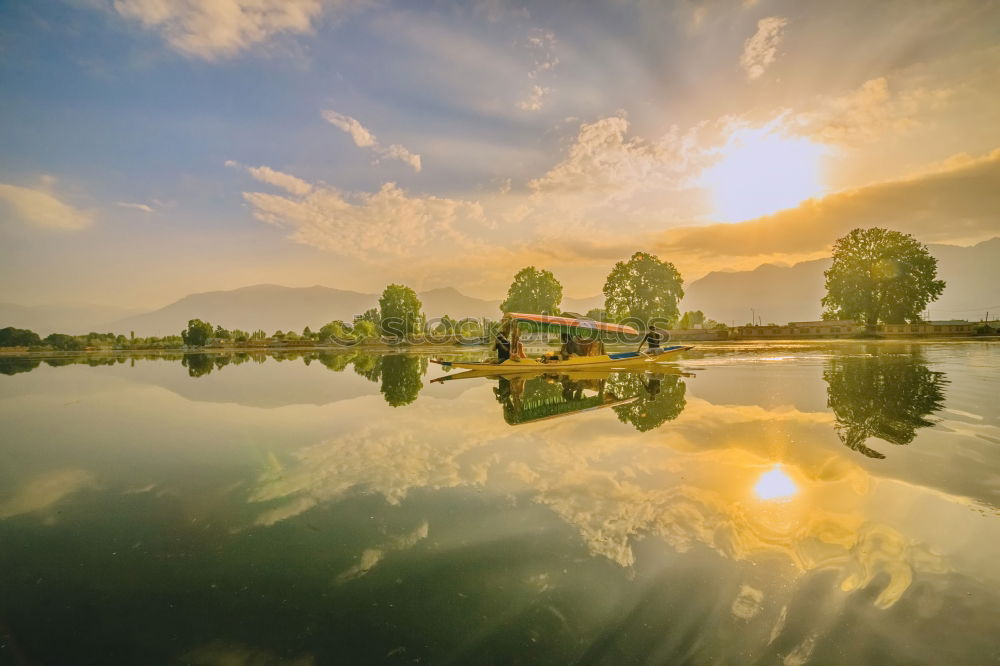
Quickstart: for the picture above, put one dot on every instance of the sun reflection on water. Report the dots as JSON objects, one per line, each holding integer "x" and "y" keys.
{"x": 775, "y": 484}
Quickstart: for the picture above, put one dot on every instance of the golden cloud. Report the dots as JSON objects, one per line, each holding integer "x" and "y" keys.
{"x": 953, "y": 204}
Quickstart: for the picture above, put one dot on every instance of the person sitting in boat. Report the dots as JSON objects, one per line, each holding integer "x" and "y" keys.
{"x": 654, "y": 338}
{"x": 509, "y": 347}
{"x": 575, "y": 345}
{"x": 502, "y": 347}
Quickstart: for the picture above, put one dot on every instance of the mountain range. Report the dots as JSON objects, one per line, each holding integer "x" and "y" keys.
{"x": 776, "y": 293}
{"x": 781, "y": 294}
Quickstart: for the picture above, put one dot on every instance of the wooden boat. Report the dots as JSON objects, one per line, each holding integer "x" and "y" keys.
{"x": 609, "y": 361}
{"x": 578, "y": 326}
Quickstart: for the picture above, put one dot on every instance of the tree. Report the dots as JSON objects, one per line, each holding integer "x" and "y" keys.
{"x": 307, "y": 333}
{"x": 337, "y": 332}
{"x": 221, "y": 333}
{"x": 18, "y": 337}
{"x": 365, "y": 330}
{"x": 197, "y": 333}
{"x": 643, "y": 288}
{"x": 533, "y": 291}
{"x": 64, "y": 342}
{"x": 692, "y": 319}
{"x": 401, "y": 311}
{"x": 372, "y": 315}
{"x": 880, "y": 276}
{"x": 597, "y": 314}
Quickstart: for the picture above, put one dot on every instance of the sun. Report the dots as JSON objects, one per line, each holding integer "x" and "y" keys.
{"x": 775, "y": 485}
{"x": 762, "y": 171}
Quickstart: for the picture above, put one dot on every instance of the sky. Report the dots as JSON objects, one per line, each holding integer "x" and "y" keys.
{"x": 154, "y": 148}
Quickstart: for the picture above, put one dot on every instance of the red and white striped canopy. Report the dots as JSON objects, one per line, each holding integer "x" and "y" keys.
{"x": 571, "y": 322}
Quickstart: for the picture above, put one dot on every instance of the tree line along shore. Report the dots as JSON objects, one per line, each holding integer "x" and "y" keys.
{"x": 879, "y": 284}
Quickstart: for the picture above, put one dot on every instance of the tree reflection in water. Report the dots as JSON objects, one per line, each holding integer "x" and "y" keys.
{"x": 643, "y": 400}
{"x": 882, "y": 395}
{"x": 660, "y": 399}
{"x": 401, "y": 375}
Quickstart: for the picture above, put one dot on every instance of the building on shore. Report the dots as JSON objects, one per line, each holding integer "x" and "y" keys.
{"x": 680, "y": 334}
{"x": 848, "y": 328}
{"x": 800, "y": 329}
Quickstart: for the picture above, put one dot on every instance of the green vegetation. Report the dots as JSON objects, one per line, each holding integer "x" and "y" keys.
{"x": 400, "y": 311}
{"x": 643, "y": 289}
{"x": 533, "y": 292}
{"x": 197, "y": 333}
{"x": 18, "y": 337}
{"x": 692, "y": 319}
{"x": 880, "y": 276}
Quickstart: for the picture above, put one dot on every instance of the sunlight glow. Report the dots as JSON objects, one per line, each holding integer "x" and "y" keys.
{"x": 775, "y": 485}
{"x": 762, "y": 171}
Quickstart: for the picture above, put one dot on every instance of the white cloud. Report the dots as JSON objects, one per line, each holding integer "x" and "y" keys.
{"x": 363, "y": 138}
{"x": 266, "y": 174}
{"x": 387, "y": 223}
{"x": 278, "y": 179}
{"x": 534, "y": 100}
{"x": 541, "y": 46}
{"x": 43, "y": 208}
{"x": 398, "y": 152}
{"x": 137, "y": 206}
{"x": 760, "y": 50}
{"x": 212, "y": 29}
{"x": 604, "y": 160}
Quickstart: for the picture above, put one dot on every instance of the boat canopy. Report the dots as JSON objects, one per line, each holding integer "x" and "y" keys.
{"x": 549, "y": 322}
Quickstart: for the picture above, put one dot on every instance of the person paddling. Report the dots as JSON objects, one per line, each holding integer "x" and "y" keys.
{"x": 653, "y": 338}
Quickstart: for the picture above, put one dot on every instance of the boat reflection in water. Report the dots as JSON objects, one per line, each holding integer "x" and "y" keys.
{"x": 644, "y": 399}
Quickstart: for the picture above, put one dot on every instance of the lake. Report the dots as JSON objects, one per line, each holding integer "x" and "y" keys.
{"x": 775, "y": 503}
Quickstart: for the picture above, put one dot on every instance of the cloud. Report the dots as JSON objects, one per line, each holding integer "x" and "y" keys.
{"x": 137, "y": 206}
{"x": 869, "y": 113}
{"x": 278, "y": 179}
{"x": 266, "y": 174}
{"x": 541, "y": 46}
{"x": 603, "y": 160}
{"x": 760, "y": 50}
{"x": 213, "y": 29}
{"x": 387, "y": 223}
{"x": 957, "y": 203}
{"x": 363, "y": 138}
{"x": 398, "y": 152}
{"x": 533, "y": 102}
{"x": 43, "y": 208}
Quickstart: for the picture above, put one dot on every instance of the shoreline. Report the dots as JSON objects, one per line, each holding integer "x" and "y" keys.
{"x": 414, "y": 347}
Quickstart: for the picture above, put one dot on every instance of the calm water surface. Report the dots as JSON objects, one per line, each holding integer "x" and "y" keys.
{"x": 821, "y": 503}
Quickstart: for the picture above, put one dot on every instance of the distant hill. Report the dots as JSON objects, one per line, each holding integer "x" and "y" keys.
{"x": 72, "y": 319}
{"x": 449, "y": 301}
{"x": 267, "y": 306}
{"x": 781, "y": 294}
{"x": 273, "y": 307}
{"x": 778, "y": 293}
